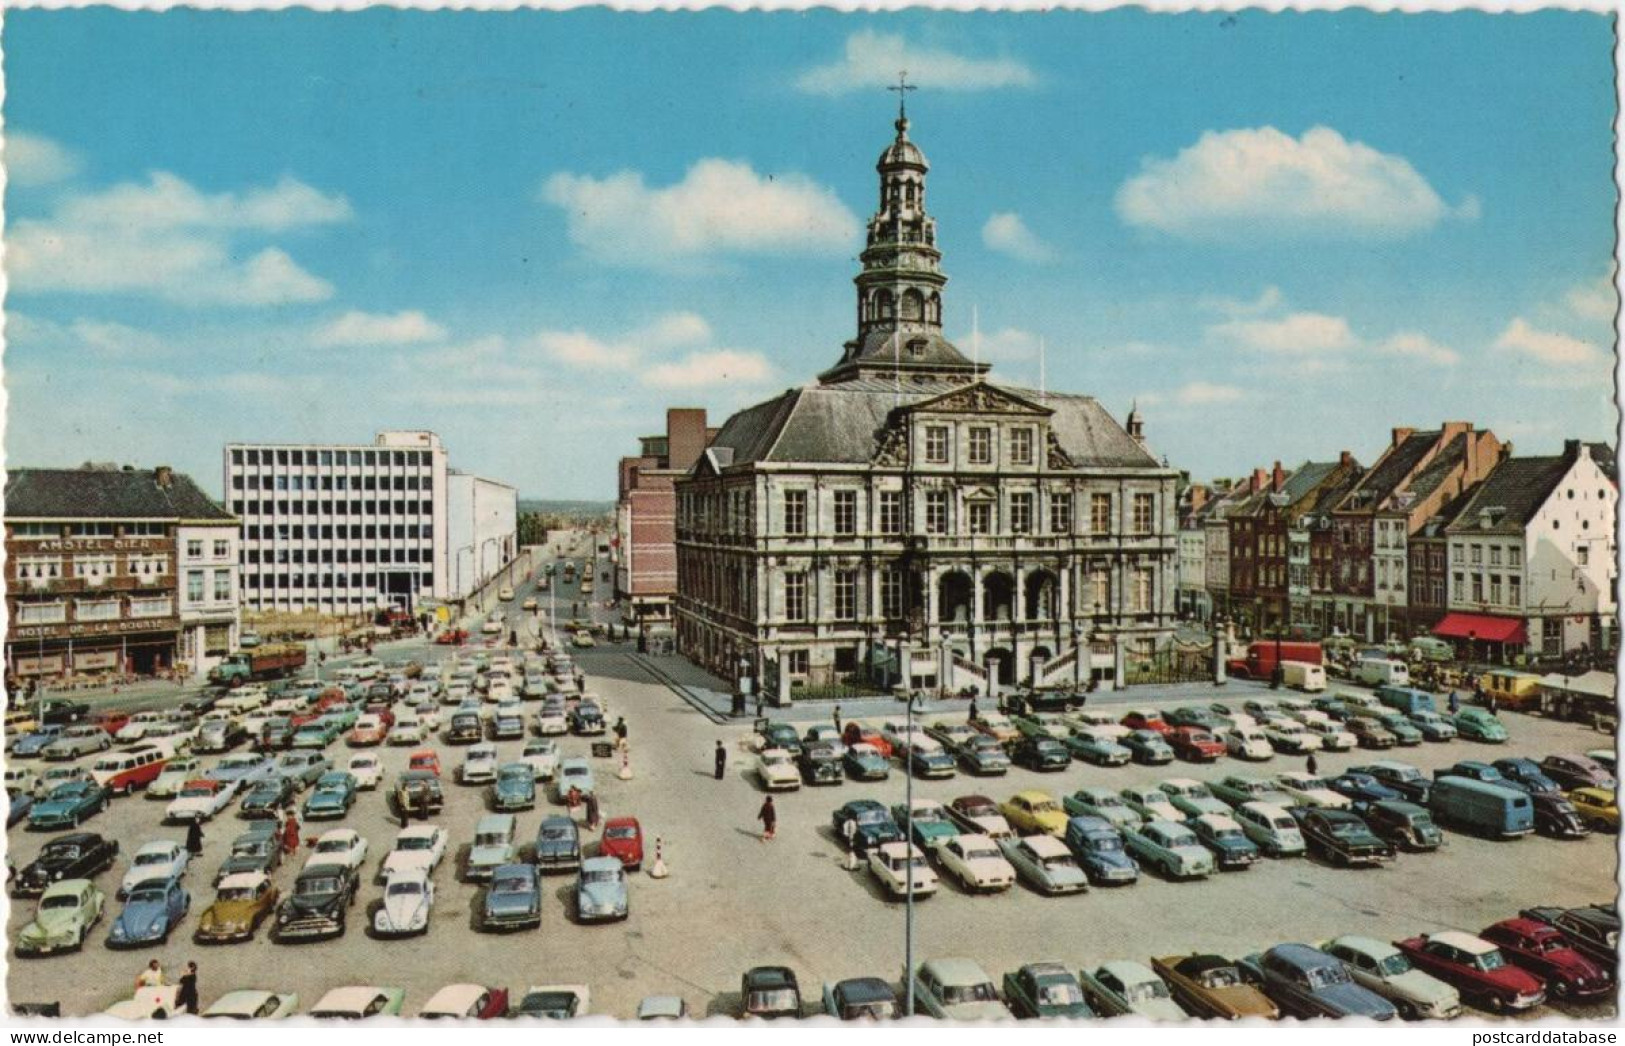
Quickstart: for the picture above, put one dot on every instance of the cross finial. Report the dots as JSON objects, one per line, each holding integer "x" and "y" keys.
{"x": 902, "y": 87}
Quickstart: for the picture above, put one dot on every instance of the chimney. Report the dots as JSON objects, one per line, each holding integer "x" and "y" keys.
{"x": 1345, "y": 458}
{"x": 1571, "y": 451}
{"x": 1400, "y": 435}
{"x": 1136, "y": 425}
{"x": 1257, "y": 482}
{"x": 1506, "y": 451}
{"x": 1277, "y": 478}
{"x": 1451, "y": 429}
{"x": 164, "y": 476}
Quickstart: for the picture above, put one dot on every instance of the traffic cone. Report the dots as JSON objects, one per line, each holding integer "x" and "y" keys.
{"x": 658, "y": 869}
{"x": 625, "y": 772}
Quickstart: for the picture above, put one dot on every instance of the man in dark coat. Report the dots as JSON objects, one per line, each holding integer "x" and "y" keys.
{"x": 722, "y": 759}
{"x": 1311, "y": 765}
{"x": 186, "y": 998}
{"x": 194, "y": 838}
{"x": 769, "y": 818}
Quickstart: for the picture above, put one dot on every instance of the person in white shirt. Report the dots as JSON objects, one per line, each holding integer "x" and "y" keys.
{"x": 151, "y": 977}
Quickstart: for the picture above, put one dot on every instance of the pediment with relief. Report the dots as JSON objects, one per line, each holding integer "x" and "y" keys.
{"x": 980, "y": 398}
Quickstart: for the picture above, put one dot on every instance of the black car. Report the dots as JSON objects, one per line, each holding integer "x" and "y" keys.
{"x": 1527, "y": 775}
{"x": 267, "y": 798}
{"x": 276, "y": 735}
{"x": 202, "y": 704}
{"x": 253, "y": 851}
{"x": 1404, "y": 825}
{"x": 79, "y": 855}
{"x": 59, "y": 711}
{"x": 586, "y": 718}
{"x": 1593, "y": 930}
{"x": 418, "y": 793}
{"x": 820, "y": 765}
{"x": 1340, "y": 837}
{"x": 1556, "y": 816}
{"x": 768, "y": 992}
{"x": 1043, "y": 701}
{"x": 315, "y": 908}
{"x": 1403, "y": 778}
{"x": 465, "y": 729}
{"x": 1041, "y": 753}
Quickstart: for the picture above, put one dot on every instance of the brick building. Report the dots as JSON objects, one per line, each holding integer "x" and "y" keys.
{"x": 645, "y": 516}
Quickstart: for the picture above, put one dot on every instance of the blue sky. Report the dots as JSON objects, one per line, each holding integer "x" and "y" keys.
{"x": 533, "y": 231}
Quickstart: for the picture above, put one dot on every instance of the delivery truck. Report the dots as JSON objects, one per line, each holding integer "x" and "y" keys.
{"x": 1261, "y": 658}
{"x": 263, "y": 662}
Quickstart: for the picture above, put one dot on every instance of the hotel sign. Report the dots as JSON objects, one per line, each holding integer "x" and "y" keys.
{"x": 91, "y": 629}
{"x": 101, "y": 545}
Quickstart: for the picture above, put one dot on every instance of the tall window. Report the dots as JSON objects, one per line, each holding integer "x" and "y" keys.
{"x": 891, "y": 593}
{"x": 1495, "y": 588}
{"x": 795, "y": 512}
{"x": 1478, "y": 554}
{"x": 796, "y": 662}
{"x": 1100, "y": 589}
{"x": 1458, "y": 554}
{"x": 936, "y": 512}
{"x": 846, "y": 595}
{"x": 1515, "y": 590}
{"x": 1021, "y": 513}
{"x": 194, "y": 550}
{"x": 981, "y": 517}
{"x": 1060, "y": 513}
{"x": 1495, "y": 555}
{"x": 1478, "y": 588}
{"x": 891, "y": 512}
{"x": 795, "y": 596}
{"x": 846, "y": 512}
{"x": 936, "y": 444}
{"x": 1514, "y": 556}
{"x": 222, "y": 586}
{"x": 1141, "y": 595}
{"x": 1100, "y": 513}
{"x": 1021, "y": 446}
{"x": 194, "y": 586}
{"x": 981, "y": 445}
{"x": 1144, "y": 513}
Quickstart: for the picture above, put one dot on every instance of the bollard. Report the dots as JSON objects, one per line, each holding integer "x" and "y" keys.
{"x": 658, "y": 870}
{"x": 625, "y": 772}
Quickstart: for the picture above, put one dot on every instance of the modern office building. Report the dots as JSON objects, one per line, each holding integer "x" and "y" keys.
{"x": 113, "y": 571}
{"x": 352, "y": 528}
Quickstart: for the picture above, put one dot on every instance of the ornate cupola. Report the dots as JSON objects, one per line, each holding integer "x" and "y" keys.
{"x": 900, "y": 285}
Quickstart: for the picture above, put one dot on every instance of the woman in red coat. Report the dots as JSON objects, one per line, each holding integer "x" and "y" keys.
{"x": 290, "y": 834}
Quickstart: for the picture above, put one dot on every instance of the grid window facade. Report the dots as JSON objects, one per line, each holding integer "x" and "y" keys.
{"x": 1021, "y": 513}
{"x": 1145, "y": 511}
{"x": 846, "y": 595}
{"x": 1021, "y": 446}
{"x": 981, "y": 445}
{"x": 795, "y": 596}
{"x": 936, "y": 512}
{"x": 891, "y": 594}
{"x": 846, "y": 512}
{"x": 795, "y": 513}
{"x": 891, "y": 512}
{"x": 1100, "y": 513}
{"x": 936, "y": 444}
{"x": 1060, "y": 513}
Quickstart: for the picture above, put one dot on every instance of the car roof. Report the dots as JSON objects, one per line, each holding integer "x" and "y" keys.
{"x": 159, "y": 846}
{"x": 1464, "y": 941}
{"x": 1527, "y": 927}
{"x": 351, "y": 997}
{"x": 453, "y": 1000}
{"x": 242, "y": 880}
{"x": 601, "y": 864}
{"x": 1365, "y": 945}
{"x": 955, "y": 971}
{"x": 1128, "y": 971}
{"x": 418, "y": 831}
{"x": 1046, "y": 845}
{"x": 240, "y": 1000}
{"x": 1218, "y": 821}
{"x": 1302, "y": 955}
{"x": 618, "y": 821}
{"x": 1033, "y": 795}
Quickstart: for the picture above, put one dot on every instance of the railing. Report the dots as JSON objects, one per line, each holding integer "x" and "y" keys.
{"x": 1057, "y": 665}
{"x": 970, "y": 667}
{"x": 152, "y": 607}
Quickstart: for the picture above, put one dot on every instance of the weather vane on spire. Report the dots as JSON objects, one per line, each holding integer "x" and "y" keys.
{"x": 902, "y": 87}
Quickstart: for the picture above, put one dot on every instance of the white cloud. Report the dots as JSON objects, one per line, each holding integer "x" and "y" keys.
{"x": 872, "y": 60}
{"x": 166, "y": 239}
{"x": 1007, "y": 233}
{"x": 1297, "y": 334}
{"x": 1547, "y": 347}
{"x": 716, "y": 367}
{"x": 357, "y": 329}
{"x": 720, "y": 207}
{"x": 1595, "y": 300}
{"x": 584, "y": 351}
{"x": 1009, "y": 344}
{"x": 31, "y": 160}
{"x": 44, "y": 339}
{"x": 1418, "y": 346}
{"x": 673, "y": 329}
{"x": 1206, "y": 393}
{"x": 1268, "y": 300}
{"x": 1249, "y": 182}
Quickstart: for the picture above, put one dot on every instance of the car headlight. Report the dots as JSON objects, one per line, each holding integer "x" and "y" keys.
{"x": 156, "y": 926}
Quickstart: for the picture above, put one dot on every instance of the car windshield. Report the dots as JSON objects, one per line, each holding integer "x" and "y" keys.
{"x": 415, "y": 842}
{"x": 1327, "y": 976}
{"x": 1145, "y": 991}
{"x": 332, "y": 846}
{"x": 198, "y": 792}
{"x": 621, "y": 831}
{"x": 235, "y": 893}
{"x": 1104, "y": 801}
{"x": 958, "y": 993}
{"x": 1056, "y": 863}
{"x": 511, "y": 884}
{"x": 404, "y": 887}
{"x": 1105, "y": 844}
{"x": 1347, "y": 829}
{"x": 870, "y": 816}
{"x": 772, "y": 999}
{"x": 1394, "y": 965}
{"x": 146, "y": 895}
{"x": 160, "y": 857}
{"x": 1284, "y": 824}
{"x": 1046, "y": 806}
{"x": 490, "y": 839}
{"x": 1221, "y": 977}
{"x": 61, "y": 900}
{"x": 600, "y": 875}
{"x": 1228, "y": 834}
{"x": 1060, "y": 994}
{"x": 1489, "y": 961}
{"x": 555, "y": 834}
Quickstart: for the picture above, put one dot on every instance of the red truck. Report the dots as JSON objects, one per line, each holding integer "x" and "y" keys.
{"x": 1260, "y": 659}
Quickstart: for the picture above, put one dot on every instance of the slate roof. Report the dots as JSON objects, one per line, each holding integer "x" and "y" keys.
{"x": 904, "y": 352}
{"x": 840, "y": 424}
{"x": 1604, "y": 456}
{"x": 1514, "y": 492}
{"x": 95, "y": 493}
{"x": 1390, "y": 471}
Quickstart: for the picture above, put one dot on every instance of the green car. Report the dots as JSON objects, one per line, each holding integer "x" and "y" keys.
{"x": 63, "y": 919}
{"x": 1045, "y": 989}
{"x": 1479, "y": 724}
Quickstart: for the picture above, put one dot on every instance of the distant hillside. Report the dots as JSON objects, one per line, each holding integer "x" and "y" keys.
{"x": 586, "y": 509}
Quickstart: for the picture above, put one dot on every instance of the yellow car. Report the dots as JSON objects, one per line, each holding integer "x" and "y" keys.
{"x": 1598, "y": 807}
{"x": 583, "y": 639}
{"x": 242, "y": 901}
{"x": 1034, "y": 812}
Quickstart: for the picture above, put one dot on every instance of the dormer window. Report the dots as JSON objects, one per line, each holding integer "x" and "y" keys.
{"x": 916, "y": 348}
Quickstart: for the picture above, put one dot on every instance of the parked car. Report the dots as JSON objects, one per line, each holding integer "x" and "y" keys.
{"x": 160, "y": 859}
{"x": 1034, "y": 812}
{"x": 769, "y": 992}
{"x": 303, "y": 768}
{"x": 976, "y": 862}
{"x": 331, "y": 797}
{"x": 151, "y": 912}
{"x": 1593, "y": 930}
{"x": 245, "y": 1004}
{"x": 820, "y": 764}
{"x": 1152, "y": 804}
{"x": 984, "y": 756}
{"x": 956, "y": 990}
{"x": 1097, "y": 747}
{"x": 558, "y": 844}
{"x": 1271, "y": 828}
{"x": 78, "y": 855}
{"x": 1384, "y": 969}
{"x": 896, "y": 865}
{"x": 1098, "y": 801}
{"x": 1493, "y": 810}
{"x": 1249, "y": 743}
{"x": 871, "y": 824}
{"x": 1475, "y": 968}
{"x": 1406, "y": 733}
{"x": 1542, "y": 950}
{"x": 418, "y": 847}
{"x": 558, "y": 1002}
{"x": 257, "y": 850}
{"x": 1098, "y": 847}
{"x": 1288, "y": 735}
{"x": 928, "y": 820}
{"x": 1237, "y": 789}
{"x": 1045, "y": 989}
{"x": 1361, "y": 790}
{"x": 513, "y": 900}
{"x": 266, "y": 799}
{"x": 622, "y": 839}
{"x": 857, "y": 998}
{"x": 1433, "y": 726}
{"x": 1306, "y": 982}
{"x": 1306, "y": 789}
{"x": 407, "y": 904}
{"x": 865, "y": 763}
{"x": 1045, "y": 863}
{"x": 1170, "y": 848}
{"x": 1124, "y": 987}
{"x": 67, "y": 911}
{"x": 1210, "y": 986}
{"x": 978, "y": 813}
{"x": 1223, "y": 835}
{"x": 1195, "y": 744}
{"x": 68, "y": 805}
{"x": 316, "y": 906}
{"x": 76, "y": 741}
{"x": 241, "y": 903}
{"x": 1577, "y": 771}
{"x": 1341, "y": 838}
{"x": 1370, "y": 733}
{"x": 1403, "y": 825}
{"x": 1148, "y": 747}
{"x": 514, "y": 787}
{"x": 1597, "y": 807}
{"x": 359, "y": 1003}
{"x": 1192, "y": 798}
{"x": 1480, "y": 724}
{"x": 1403, "y": 778}
{"x": 470, "y": 1001}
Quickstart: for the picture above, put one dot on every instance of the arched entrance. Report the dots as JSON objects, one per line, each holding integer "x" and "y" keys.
{"x": 998, "y": 596}
{"x": 1042, "y": 595}
{"x": 1003, "y": 664}
{"x": 954, "y": 594}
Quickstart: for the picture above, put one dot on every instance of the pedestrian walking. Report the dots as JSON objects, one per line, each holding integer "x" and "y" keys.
{"x": 290, "y": 834}
{"x": 151, "y": 977}
{"x": 572, "y": 800}
{"x": 186, "y": 998}
{"x": 760, "y": 698}
{"x": 581, "y": 684}
{"x": 620, "y": 733}
{"x": 722, "y": 759}
{"x": 837, "y": 720}
{"x": 194, "y": 838}
{"x": 973, "y": 710}
{"x": 1489, "y": 702}
{"x": 592, "y": 810}
{"x": 1312, "y": 766}
{"x": 769, "y": 818}
{"x": 1454, "y": 702}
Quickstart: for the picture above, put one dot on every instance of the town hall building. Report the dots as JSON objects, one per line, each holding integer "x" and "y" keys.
{"x": 905, "y": 519}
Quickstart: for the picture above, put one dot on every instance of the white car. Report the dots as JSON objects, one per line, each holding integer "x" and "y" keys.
{"x": 982, "y": 820}
{"x": 136, "y": 729}
{"x": 340, "y": 846}
{"x": 367, "y": 769}
{"x": 420, "y": 847}
{"x": 894, "y": 864}
{"x": 1333, "y": 738}
{"x": 551, "y": 721}
{"x": 542, "y": 757}
{"x": 479, "y": 765}
{"x": 199, "y": 801}
{"x": 176, "y": 773}
{"x": 897, "y": 734}
{"x": 253, "y": 1004}
{"x": 777, "y": 770}
{"x": 1097, "y": 719}
{"x": 408, "y": 730}
{"x": 1311, "y": 791}
{"x": 419, "y": 692}
{"x": 1248, "y": 742}
{"x": 1152, "y": 804}
{"x": 1288, "y": 735}
{"x": 408, "y": 899}
{"x": 457, "y": 1000}
{"x": 164, "y": 859}
{"x": 287, "y": 706}
{"x": 457, "y": 691}
{"x": 977, "y": 862}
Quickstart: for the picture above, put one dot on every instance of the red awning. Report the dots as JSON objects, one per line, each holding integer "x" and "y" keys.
{"x": 1487, "y": 627}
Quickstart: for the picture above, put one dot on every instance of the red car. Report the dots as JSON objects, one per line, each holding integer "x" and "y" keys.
{"x": 467, "y": 1000}
{"x": 424, "y": 759}
{"x": 452, "y": 637}
{"x": 110, "y": 721}
{"x": 1476, "y": 968}
{"x": 1194, "y": 744}
{"x": 858, "y": 734}
{"x": 623, "y": 838}
{"x": 381, "y": 709}
{"x": 1148, "y": 721}
{"x": 1546, "y": 953}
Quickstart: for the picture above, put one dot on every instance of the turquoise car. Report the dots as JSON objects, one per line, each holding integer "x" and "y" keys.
{"x": 1097, "y": 748}
{"x": 1480, "y": 724}
{"x": 63, "y": 919}
{"x": 1094, "y": 801}
{"x": 1170, "y": 848}
{"x": 514, "y": 787}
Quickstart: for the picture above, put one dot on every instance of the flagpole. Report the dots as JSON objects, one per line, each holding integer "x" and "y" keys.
{"x": 1043, "y": 373}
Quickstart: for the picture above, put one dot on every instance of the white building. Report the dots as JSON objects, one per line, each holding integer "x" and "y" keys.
{"x": 1532, "y": 564}
{"x": 482, "y": 519}
{"x": 210, "y": 616}
{"x": 343, "y": 528}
